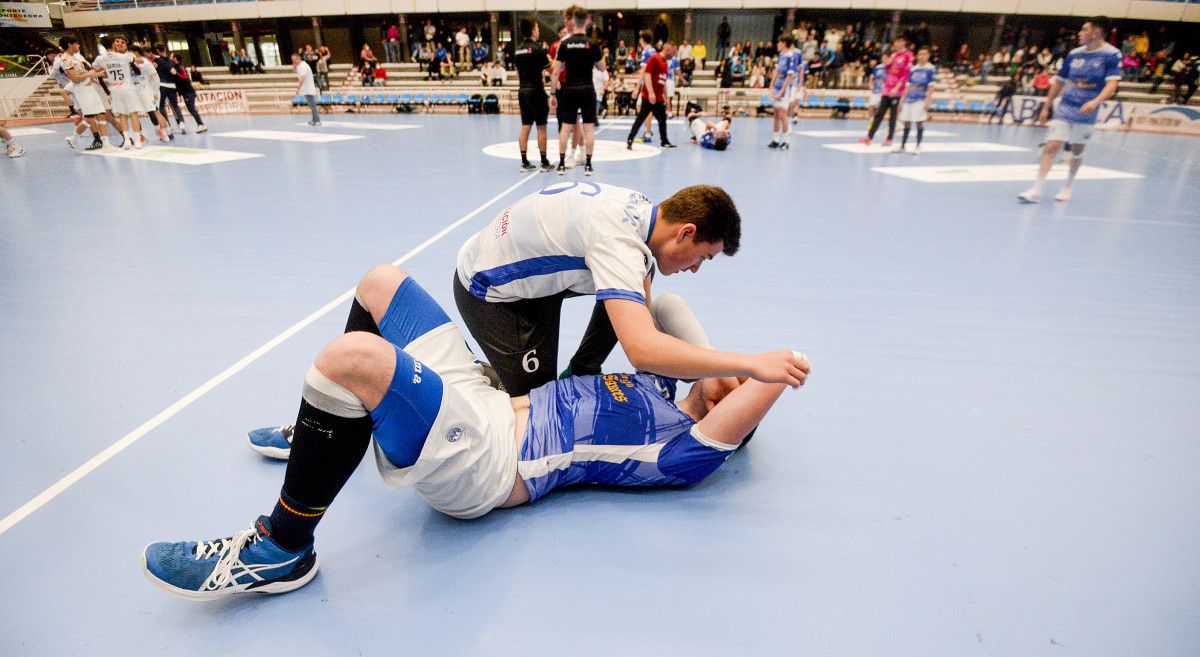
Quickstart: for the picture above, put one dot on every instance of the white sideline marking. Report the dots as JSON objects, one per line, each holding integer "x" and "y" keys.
{"x": 28, "y": 132}
{"x": 284, "y": 135}
{"x": 364, "y": 125}
{"x": 930, "y": 147}
{"x": 999, "y": 173}
{"x": 173, "y": 154}
{"x": 604, "y": 151}
{"x": 860, "y": 133}
{"x": 130, "y": 438}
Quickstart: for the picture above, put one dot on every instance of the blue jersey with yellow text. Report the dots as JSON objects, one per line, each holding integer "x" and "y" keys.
{"x": 612, "y": 429}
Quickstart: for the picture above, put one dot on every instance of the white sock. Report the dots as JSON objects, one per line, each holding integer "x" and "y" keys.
{"x": 104, "y": 139}
{"x": 1039, "y": 184}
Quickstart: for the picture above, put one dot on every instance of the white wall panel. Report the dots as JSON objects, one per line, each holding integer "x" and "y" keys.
{"x": 279, "y": 8}
{"x": 1149, "y": 9}
{"x": 990, "y": 6}
{"x": 1110, "y": 8}
{"x": 934, "y": 5}
{"x": 592, "y": 5}
{"x": 424, "y": 6}
{"x": 1192, "y": 13}
{"x": 1041, "y": 7}
{"x": 506, "y": 5}
{"x": 450, "y": 6}
{"x": 323, "y": 7}
{"x": 368, "y": 6}
{"x": 552, "y": 5}
{"x": 716, "y": 4}
{"x": 669, "y": 4}
{"x": 891, "y": 4}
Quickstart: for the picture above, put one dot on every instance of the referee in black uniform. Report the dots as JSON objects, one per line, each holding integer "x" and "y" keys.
{"x": 531, "y": 60}
{"x": 579, "y": 55}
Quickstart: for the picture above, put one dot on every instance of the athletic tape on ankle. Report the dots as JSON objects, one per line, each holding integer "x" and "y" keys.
{"x": 330, "y": 397}
{"x": 674, "y": 317}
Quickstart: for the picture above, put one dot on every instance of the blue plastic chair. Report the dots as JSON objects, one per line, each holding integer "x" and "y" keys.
{"x": 859, "y": 103}
{"x": 941, "y": 105}
{"x": 419, "y": 99}
{"x": 977, "y": 107}
{"x": 326, "y": 99}
{"x": 298, "y": 100}
{"x": 461, "y": 99}
{"x": 352, "y": 99}
{"x": 404, "y": 98}
{"x": 960, "y": 106}
{"x": 338, "y": 99}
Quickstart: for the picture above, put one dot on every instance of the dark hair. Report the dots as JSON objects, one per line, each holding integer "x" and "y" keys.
{"x": 51, "y": 51}
{"x": 135, "y": 48}
{"x": 646, "y": 35}
{"x": 107, "y": 41}
{"x": 527, "y": 27}
{"x": 788, "y": 40}
{"x": 66, "y": 42}
{"x": 1099, "y": 23}
{"x": 720, "y": 143}
{"x": 160, "y": 48}
{"x": 710, "y": 210}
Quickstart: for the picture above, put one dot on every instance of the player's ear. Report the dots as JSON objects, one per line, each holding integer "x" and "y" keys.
{"x": 685, "y": 231}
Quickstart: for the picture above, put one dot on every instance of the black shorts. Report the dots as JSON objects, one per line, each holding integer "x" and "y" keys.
{"x": 575, "y": 101}
{"x": 535, "y": 106}
{"x": 519, "y": 338}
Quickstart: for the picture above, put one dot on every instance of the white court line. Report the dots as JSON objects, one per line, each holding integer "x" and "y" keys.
{"x": 130, "y": 438}
{"x": 365, "y": 125}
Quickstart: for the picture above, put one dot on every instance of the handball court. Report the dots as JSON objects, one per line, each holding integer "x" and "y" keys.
{"x": 996, "y": 452}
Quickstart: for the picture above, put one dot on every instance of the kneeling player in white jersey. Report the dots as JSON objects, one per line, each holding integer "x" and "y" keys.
{"x": 12, "y": 148}
{"x": 117, "y": 65}
{"x": 466, "y": 447}
{"x": 916, "y": 100}
{"x": 1088, "y": 76}
{"x": 146, "y": 85}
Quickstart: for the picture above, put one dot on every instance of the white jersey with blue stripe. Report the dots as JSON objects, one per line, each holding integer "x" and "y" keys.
{"x": 647, "y": 53}
{"x": 1083, "y": 75}
{"x": 578, "y": 237}
{"x": 919, "y": 79}
{"x": 788, "y": 62}
{"x": 612, "y": 429}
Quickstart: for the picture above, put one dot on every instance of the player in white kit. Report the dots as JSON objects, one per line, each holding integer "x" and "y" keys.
{"x": 146, "y": 85}
{"x": 54, "y": 64}
{"x": 117, "y": 65}
{"x": 83, "y": 87}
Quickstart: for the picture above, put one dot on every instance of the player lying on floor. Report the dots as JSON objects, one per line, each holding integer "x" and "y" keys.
{"x": 465, "y": 446}
{"x": 709, "y": 134}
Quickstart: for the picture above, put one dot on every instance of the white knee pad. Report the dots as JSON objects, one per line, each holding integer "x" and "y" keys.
{"x": 323, "y": 393}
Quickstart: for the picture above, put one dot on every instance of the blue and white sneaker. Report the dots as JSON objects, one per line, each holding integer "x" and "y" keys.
{"x": 250, "y": 561}
{"x": 272, "y": 442}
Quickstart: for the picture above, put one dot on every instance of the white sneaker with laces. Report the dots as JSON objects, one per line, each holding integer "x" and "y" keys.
{"x": 897, "y": 148}
{"x": 1063, "y": 195}
{"x": 580, "y": 156}
{"x": 15, "y": 151}
{"x": 1031, "y": 195}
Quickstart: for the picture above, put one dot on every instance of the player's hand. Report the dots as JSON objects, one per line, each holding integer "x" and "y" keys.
{"x": 1090, "y": 106}
{"x": 1044, "y": 115}
{"x": 783, "y": 366}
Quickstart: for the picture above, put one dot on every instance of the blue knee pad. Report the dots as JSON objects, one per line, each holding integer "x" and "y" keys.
{"x": 411, "y": 314}
{"x": 408, "y": 410}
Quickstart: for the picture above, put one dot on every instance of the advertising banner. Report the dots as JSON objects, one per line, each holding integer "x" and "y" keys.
{"x": 24, "y": 14}
{"x": 1122, "y": 115}
{"x": 224, "y": 101}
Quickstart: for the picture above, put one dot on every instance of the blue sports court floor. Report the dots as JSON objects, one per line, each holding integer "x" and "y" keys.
{"x": 996, "y": 454}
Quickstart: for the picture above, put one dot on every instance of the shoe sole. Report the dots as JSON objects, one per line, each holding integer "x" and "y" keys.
{"x": 196, "y": 596}
{"x": 277, "y": 453}
{"x": 1029, "y": 201}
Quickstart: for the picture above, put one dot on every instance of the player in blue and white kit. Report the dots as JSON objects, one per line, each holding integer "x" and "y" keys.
{"x": 916, "y": 99}
{"x": 784, "y": 82}
{"x": 646, "y": 39}
{"x": 1088, "y": 76}
{"x": 878, "y": 75}
{"x": 672, "y": 77}
{"x": 466, "y": 447}
{"x": 710, "y": 134}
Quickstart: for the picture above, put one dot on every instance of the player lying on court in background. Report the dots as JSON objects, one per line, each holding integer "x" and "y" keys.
{"x": 709, "y": 134}
{"x": 466, "y": 447}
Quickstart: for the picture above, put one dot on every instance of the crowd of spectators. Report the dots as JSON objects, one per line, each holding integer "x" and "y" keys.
{"x": 837, "y": 57}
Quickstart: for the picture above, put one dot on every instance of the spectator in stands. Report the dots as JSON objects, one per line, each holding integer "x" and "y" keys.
{"x": 425, "y": 58}
{"x": 1041, "y": 83}
{"x": 479, "y": 54}
{"x": 724, "y": 32}
{"x": 445, "y": 62}
{"x": 758, "y": 75}
{"x": 962, "y": 61}
{"x": 1131, "y": 66}
{"x": 700, "y": 54}
{"x": 391, "y": 44}
{"x": 367, "y": 72}
{"x": 310, "y": 56}
{"x": 1158, "y": 71}
{"x": 381, "y": 76}
{"x": 365, "y": 55}
{"x": 306, "y": 87}
{"x": 1185, "y": 72}
{"x": 685, "y": 52}
{"x": 1003, "y": 100}
{"x": 196, "y": 75}
{"x": 323, "y": 68}
{"x": 462, "y": 48}
{"x": 430, "y": 32}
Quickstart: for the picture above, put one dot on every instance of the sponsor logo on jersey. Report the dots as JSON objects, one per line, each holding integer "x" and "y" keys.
{"x": 454, "y": 434}
{"x": 613, "y": 383}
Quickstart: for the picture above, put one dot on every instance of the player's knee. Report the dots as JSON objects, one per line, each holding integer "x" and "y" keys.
{"x": 376, "y": 289}
{"x": 354, "y": 357}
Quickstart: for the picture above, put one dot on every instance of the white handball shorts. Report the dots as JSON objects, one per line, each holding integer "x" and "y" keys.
{"x": 1068, "y": 131}
{"x": 873, "y": 100}
{"x": 914, "y": 112}
{"x": 785, "y": 100}
{"x": 126, "y": 101}
{"x": 149, "y": 102}
{"x": 87, "y": 100}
